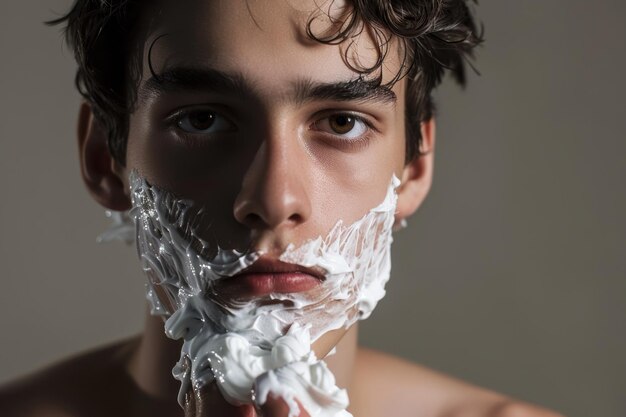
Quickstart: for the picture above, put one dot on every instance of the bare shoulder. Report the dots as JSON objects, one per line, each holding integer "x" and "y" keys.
{"x": 385, "y": 385}
{"x": 65, "y": 389}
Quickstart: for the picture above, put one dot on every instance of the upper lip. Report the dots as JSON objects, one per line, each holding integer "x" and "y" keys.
{"x": 265, "y": 265}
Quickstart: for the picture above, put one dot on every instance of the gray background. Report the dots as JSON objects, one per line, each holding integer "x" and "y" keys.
{"x": 510, "y": 276}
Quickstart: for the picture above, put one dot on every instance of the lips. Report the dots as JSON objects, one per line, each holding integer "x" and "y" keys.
{"x": 267, "y": 276}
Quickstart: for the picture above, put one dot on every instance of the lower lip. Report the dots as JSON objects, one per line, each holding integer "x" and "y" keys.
{"x": 258, "y": 284}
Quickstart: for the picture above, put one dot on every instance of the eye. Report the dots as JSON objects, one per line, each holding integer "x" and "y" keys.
{"x": 344, "y": 125}
{"x": 201, "y": 121}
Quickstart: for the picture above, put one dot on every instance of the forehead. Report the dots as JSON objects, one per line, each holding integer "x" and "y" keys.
{"x": 263, "y": 42}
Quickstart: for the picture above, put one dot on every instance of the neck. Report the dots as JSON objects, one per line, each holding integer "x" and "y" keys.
{"x": 150, "y": 365}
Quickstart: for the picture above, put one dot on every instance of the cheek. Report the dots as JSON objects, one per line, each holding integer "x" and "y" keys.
{"x": 346, "y": 187}
{"x": 209, "y": 175}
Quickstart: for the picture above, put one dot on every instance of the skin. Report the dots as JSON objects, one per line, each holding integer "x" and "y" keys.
{"x": 277, "y": 173}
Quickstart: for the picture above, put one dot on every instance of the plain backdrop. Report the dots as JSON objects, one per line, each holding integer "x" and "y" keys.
{"x": 511, "y": 275}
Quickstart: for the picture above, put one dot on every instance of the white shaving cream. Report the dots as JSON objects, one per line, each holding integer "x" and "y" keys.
{"x": 260, "y": 347}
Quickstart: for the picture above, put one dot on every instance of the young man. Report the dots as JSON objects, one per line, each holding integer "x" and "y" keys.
{"x": 240, "y": 130}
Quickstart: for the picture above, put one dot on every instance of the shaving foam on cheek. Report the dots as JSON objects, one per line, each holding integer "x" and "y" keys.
{"x": 260, "y": 347}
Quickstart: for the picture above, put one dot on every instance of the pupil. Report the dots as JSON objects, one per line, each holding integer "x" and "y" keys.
{"x": 201, "y": 120}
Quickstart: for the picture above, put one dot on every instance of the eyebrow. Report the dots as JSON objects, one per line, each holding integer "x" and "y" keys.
{"x": 304, "y": 90}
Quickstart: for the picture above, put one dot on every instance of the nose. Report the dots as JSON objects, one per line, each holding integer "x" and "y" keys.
{"x": 273, "y": 193}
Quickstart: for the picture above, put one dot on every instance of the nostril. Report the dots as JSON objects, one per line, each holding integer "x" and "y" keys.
{"x": 254, "y": 220}
{"x": 296, "y": 218}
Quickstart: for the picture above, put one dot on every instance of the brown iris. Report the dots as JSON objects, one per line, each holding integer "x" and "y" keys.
{"x": 342, "y": 123}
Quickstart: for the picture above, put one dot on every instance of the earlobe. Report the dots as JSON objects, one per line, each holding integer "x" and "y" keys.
{"x": 417, "y": 175}
{"x": 100, "y": 172}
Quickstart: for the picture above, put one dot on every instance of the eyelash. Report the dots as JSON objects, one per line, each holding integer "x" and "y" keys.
{"x": 357, "y": 143}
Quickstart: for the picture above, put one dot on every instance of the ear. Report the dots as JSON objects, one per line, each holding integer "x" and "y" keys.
{"x": 103, "y": 176}
{"x": 417, "y": 175}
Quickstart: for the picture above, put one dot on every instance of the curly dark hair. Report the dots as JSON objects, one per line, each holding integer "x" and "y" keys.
{"x": 435, "y": 35}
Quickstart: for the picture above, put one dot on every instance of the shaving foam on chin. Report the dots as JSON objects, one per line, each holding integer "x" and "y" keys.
{"x": 263, "y": 346}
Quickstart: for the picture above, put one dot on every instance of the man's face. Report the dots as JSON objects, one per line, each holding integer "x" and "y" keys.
{"x": 236, "y": 126}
